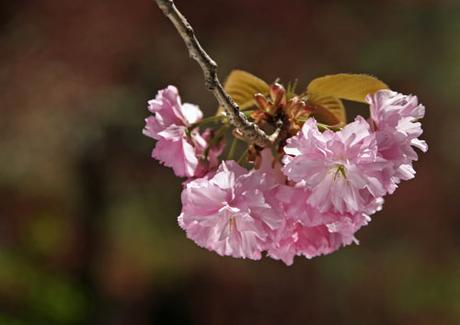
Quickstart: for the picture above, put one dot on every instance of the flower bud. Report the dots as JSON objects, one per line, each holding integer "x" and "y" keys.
{"x": 262, "y": 102}
{"x": 277, "y": 93}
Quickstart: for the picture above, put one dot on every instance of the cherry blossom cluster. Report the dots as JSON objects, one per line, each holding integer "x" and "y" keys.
{"x": 306, "y": 197}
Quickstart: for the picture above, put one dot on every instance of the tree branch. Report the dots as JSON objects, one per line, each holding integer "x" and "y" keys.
{"x": 250, "y": 131}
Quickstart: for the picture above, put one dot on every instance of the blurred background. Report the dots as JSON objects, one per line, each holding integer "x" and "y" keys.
{"x": 88, "y": 231}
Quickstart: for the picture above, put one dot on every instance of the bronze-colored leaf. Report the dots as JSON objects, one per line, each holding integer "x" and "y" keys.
{"x": 327, "y": 109}
{"x": 354, "y": 87}
{"x": 242, "y": 86}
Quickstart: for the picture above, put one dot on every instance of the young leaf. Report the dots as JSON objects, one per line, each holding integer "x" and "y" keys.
{"x": 328, "y": 110}
{"x": 354, "y": 87}
{"x": 242, "y": 86}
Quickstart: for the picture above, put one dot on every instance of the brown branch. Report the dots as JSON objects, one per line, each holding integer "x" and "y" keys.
{"x": 250, "y": 131}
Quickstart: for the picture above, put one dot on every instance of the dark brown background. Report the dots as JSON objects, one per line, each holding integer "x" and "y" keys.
{"x": 88, "y": 231}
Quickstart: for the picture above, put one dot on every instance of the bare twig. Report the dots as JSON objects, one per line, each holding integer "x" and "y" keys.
{"x": 251, "y": 131}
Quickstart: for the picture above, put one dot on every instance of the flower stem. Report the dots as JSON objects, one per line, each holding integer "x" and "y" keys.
{"x": 243, "y": 156}
{"x": 206, "y": 120}
{"x": 248, "y": 112}
{"x": 232, "y": 150}
{"x": 218, "y": 136}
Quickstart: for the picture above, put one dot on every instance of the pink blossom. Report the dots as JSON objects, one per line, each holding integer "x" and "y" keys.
{"x": 179, "y": 145}
{"x": 394, "y": 117}
{"x": 228, "y": 212}
{"x": 296, "y": 239}
{"x": 342, "y": 170}
{"x": 309, "y": 232}
{"x": 167, "y": 110}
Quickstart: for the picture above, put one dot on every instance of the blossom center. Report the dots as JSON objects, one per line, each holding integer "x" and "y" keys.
{"x": 231, "y": 223}
{"x": 339, "y": 171}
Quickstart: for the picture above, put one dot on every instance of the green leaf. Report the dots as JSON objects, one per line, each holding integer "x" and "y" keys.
{"x": 354, "y": 87}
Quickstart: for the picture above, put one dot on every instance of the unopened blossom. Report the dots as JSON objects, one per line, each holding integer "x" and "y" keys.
{"x": 394, "y": 117}
{"x": 341, "y": 169}
{"x": 228, "y": 213}
{"x": 179, "y": 145}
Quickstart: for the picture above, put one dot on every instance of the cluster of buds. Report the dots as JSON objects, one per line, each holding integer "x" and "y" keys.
{"x": 292, "y": 109}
